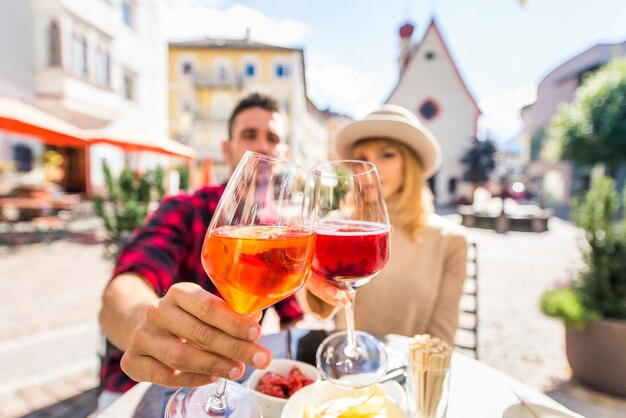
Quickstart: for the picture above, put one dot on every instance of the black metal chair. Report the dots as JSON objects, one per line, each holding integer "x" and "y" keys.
{"x": 466, "y": 338}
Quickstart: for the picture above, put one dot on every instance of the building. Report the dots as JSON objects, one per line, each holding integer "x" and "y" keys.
{"x": 431, "y": 86}
{"x": 209, "y": 76}
{"x": 95, "y": 64}
{"x": 556, "y": 182}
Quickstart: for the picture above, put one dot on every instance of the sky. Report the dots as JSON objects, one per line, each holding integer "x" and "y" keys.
{"x": 502, "y": 49}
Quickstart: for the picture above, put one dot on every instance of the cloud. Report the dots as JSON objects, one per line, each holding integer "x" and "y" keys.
{"x": 501, "y": 114}
{"x": 342, "y": 88}
{"x": 189, "y": 19}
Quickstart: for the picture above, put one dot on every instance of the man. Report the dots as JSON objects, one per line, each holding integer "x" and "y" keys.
{"x": 162, "y": 310}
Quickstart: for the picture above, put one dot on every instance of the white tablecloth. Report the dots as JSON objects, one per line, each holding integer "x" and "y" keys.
{"x": 476, "y": 390}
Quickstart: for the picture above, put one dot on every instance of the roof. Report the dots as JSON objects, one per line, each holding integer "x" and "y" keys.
{"x": 587, "y": 60}
{"x": 240, "y": 44}
{"x": 226, "y": 43}
{"x": 434, "y": 27}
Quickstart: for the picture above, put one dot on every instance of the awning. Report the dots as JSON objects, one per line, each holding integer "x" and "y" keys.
{"x": 24, "y": 119}
{"x": 21, "y": 118}
{"x": 138, "y": 141}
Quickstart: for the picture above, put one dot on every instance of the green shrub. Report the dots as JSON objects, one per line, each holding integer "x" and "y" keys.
{"x": 600, "y": 289}
{"x": 126, "y": 204}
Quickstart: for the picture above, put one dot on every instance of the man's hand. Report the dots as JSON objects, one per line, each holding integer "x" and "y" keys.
{"x": 190, "y": 337}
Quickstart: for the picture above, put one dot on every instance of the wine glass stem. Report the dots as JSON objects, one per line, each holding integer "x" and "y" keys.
{"x": 352, "y": 349}
{"x": 217, "y": 404}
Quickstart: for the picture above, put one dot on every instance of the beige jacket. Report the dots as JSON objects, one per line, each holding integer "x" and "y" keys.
{"x": 419, "y": 289}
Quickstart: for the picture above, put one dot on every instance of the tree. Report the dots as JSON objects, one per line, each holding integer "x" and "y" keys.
{"x": 479, "y": 161}
{"x": 592, "y": 128}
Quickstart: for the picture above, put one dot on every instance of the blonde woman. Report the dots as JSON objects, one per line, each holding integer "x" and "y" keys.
{"x": 419, "y": 289}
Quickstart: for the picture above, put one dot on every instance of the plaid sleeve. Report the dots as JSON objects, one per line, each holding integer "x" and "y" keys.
{"x": 289, "y": 310}
{"x": 158, "y": 248}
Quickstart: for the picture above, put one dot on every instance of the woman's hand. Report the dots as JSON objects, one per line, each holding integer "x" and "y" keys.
{"x": 330, "y": 292}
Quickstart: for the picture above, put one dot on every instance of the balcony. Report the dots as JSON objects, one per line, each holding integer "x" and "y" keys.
{"x": 75, "y": 99}
{"x": 203, "y": 80}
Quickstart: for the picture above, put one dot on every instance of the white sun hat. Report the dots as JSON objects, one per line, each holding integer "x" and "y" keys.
{"x": 396, "y": 123}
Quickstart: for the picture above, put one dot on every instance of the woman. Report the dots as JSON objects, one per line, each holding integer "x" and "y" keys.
{"x": 419, "y": 289}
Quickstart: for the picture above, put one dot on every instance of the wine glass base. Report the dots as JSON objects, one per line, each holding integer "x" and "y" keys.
{"x": 357, "y": 369}
{"x": 191, "y": 403}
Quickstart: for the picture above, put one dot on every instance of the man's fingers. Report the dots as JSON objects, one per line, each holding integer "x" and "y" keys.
{"x": 214, "y": 311}
{"x": 257, "y": 316}
{"x": 172, "y": 352}
{"x": 327, "y": 291}
{"x": 143, "y": 368}
{"x": 176, "y": 321}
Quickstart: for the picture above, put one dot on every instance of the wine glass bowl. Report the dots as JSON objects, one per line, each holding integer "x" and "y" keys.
{"x": 268, "y": 264}
{"x": 350, "y": 251}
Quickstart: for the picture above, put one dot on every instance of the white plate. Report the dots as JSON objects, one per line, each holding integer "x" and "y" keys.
{"x": 518, "y": 411}
{"x": 322, "y": 391}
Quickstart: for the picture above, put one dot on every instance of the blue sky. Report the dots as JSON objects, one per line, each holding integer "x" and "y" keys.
{"x": 502, "y": 49}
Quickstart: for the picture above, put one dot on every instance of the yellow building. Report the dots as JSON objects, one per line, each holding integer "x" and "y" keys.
{"x": 207, "y": 78}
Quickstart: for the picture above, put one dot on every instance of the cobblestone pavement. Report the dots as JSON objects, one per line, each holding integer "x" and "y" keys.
{"x": 514, "y": 269}
{"x": 47, "y": 286}
{"x": 70, "y": 397}
{"x": 59, "y": 285}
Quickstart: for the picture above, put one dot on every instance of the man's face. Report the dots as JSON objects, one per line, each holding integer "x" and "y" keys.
{"x": 255, "y": 129}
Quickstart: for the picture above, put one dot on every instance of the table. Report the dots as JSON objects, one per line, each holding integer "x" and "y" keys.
{"x": 476, "y": 390}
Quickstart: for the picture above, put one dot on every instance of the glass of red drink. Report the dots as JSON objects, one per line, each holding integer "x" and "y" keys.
{"x": 352, "y": 247}
{"x": 257, "y": 251}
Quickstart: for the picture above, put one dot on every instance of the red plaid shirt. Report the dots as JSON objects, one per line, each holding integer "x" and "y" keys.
{"x": 166, "y": 251}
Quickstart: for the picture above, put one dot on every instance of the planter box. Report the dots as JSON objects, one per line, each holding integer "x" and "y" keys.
{"x": 597, "y": 355}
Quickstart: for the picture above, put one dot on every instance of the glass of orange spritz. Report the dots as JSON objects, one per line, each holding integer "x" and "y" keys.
{"x": 257, "y": 251}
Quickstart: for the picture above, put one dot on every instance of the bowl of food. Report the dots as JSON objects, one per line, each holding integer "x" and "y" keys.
{"x": 283, "y": 378}
{"x": 322, "y": 399}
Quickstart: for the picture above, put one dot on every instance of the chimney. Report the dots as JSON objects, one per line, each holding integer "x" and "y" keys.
{"x": 406, "y": 31}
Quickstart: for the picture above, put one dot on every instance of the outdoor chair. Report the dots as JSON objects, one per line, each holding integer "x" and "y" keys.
{"x": 466, "y": 339}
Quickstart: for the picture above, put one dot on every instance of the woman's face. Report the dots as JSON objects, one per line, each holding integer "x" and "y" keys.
{"x": 388, "y": 161}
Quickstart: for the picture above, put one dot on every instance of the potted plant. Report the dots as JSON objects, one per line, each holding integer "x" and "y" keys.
{"x": 593, "y": 307}
{"x": 126, "y": 204}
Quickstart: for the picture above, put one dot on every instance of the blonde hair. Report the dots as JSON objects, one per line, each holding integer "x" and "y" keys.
{"x": 410, "y": 208}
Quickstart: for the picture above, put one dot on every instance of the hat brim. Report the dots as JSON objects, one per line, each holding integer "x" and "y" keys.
{"x": 420, "y": 141}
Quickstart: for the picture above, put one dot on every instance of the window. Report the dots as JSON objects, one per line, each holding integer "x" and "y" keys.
{"x": 452, "y": 185}
{"x": 128, "y": 13}
{"x": 23, "y": 157}
{"x": 187, "y": 105}
{"x": 128, "y": 86}
{"x": 429, "y": 109}
{"x": 221, "y": 106}
{"x": 222, "y": 73}
{"x": 55, "y": 45}
{"x": 103, "y": 66}
{"x": 249, "y": 70}
{"x": 430, "y": 55}
{"x": 79, "y": 54}
{"x": 187, "y": 67}
{"x": 282, "y": 70}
